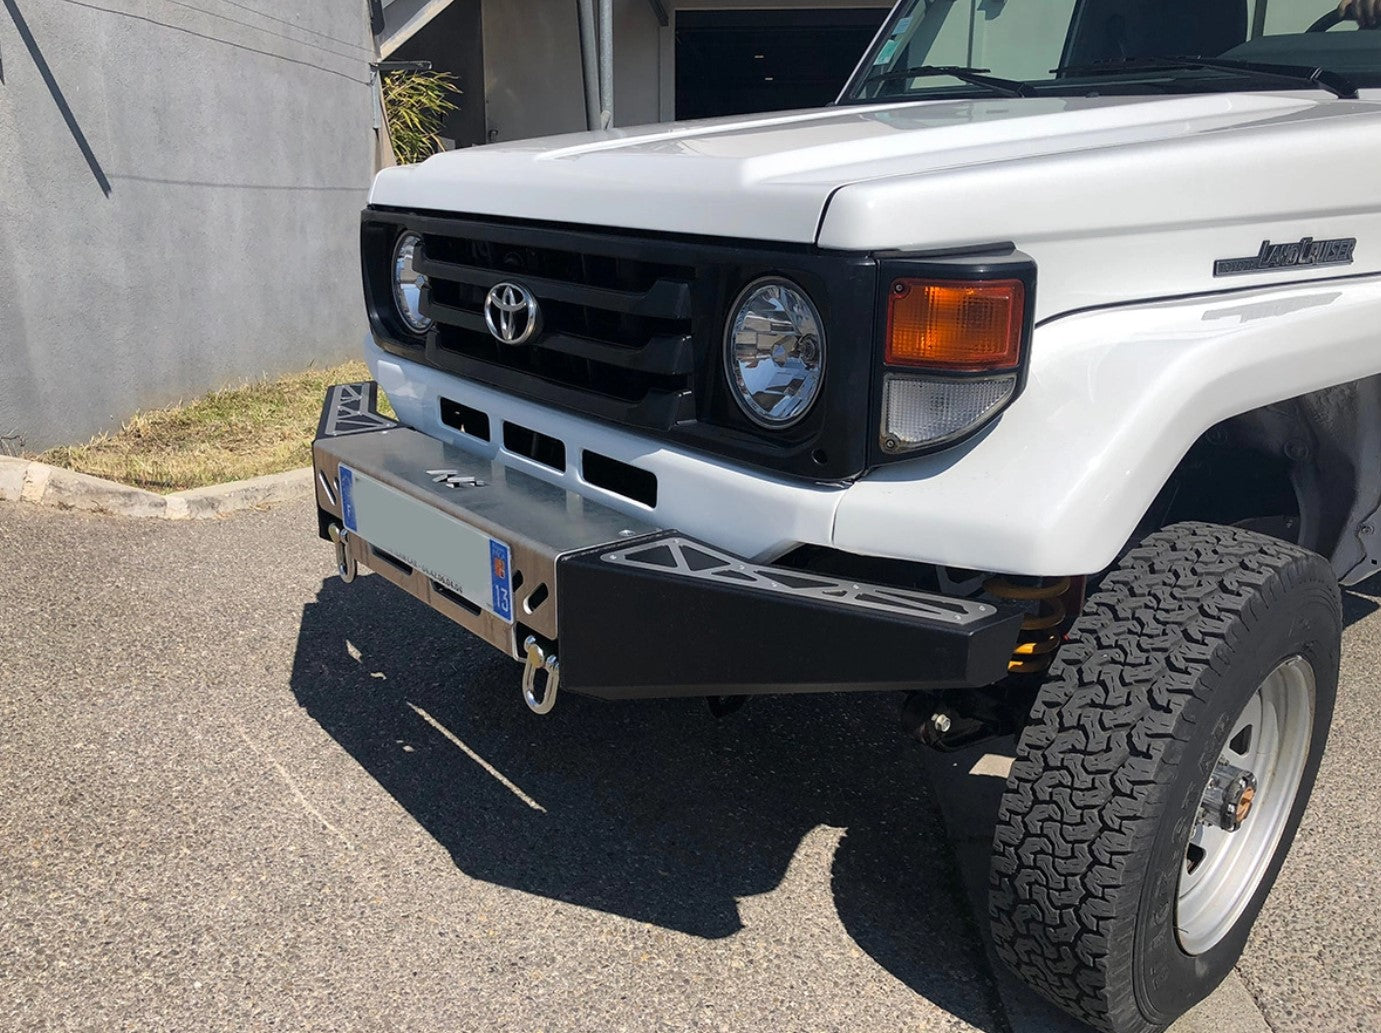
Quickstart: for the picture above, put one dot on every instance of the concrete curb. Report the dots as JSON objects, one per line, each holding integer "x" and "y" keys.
{"x": 22, "y": 480}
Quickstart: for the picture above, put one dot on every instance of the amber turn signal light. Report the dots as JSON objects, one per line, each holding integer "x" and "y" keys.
{"x": 955, "y": 325}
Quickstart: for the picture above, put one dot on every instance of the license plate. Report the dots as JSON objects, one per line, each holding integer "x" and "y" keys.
{"x": 450, "y": 552}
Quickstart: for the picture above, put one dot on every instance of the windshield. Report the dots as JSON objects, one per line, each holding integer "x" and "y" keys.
{"x": 1038, "y": 47}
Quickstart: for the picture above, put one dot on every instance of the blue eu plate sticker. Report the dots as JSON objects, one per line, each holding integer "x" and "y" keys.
{"x": 347, "y": 498}
{"x": 500, "y": 579}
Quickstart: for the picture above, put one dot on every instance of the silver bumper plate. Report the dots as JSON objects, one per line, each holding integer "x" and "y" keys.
{"x": 476, "y": 540}
{"x": 415, "y": 534}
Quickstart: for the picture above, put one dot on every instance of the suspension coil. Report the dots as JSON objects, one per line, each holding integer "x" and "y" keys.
{"x": 1042, "y": 628}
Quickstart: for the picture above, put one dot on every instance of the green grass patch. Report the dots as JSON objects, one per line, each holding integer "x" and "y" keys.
{"x": 258, "y": 428}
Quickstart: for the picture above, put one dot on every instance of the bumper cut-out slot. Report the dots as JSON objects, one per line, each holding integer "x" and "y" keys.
{"x": 539, "y": 595}
{"x": 619, "y": 477}
{"x": 465, "y": 419}
{"x": 456, "y": 598}
{"x": 539, "y": 447}
{"x": 392, "y": 560}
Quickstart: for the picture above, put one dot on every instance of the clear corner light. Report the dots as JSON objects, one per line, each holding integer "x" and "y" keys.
{"x": 408, "y": 283}
{"x": 774, "y": 348}
{"x": 918, "y": 412}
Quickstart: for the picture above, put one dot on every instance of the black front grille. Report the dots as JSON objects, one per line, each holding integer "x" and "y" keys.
{"x": 631, "y": 327}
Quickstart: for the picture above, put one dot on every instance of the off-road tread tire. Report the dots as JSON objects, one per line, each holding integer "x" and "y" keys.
{"x": 1086, "y": 790}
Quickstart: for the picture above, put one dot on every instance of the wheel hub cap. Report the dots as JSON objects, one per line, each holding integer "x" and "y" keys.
{"x": 1245, "y": 806}
{"x": 1228, "y": 799}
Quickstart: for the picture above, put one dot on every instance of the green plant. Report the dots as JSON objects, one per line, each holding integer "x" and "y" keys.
{"x": 416, "y": 104}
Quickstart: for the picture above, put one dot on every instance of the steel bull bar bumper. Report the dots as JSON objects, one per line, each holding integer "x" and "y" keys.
{"x": 612, "y": 606}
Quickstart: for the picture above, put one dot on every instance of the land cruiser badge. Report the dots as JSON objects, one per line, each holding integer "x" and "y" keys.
{"x": 1305, "y": 252}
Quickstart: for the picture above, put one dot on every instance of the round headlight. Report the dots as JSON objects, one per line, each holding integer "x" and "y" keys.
{"x": 408, "y": 284}
{"x": 774, "y": 348}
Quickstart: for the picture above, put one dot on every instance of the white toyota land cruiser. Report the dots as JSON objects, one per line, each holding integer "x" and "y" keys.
{"x": 1039, "y": 376}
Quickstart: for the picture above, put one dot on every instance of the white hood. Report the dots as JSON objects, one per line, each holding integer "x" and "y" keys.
{"x": 771, "y": 177}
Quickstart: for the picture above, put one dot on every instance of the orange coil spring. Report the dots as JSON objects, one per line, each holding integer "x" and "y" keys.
{"x": 1040, "y": 631}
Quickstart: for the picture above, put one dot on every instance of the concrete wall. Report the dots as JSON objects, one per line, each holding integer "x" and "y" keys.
{"x": 637, "y": 63}
{"x": 180, "y": 187}
{"x": 533, "y": 84}
{"x": 532, "y": 77}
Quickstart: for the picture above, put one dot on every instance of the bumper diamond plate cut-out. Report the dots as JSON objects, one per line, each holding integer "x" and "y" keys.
{"x": 693, "y": 559}
{"x": 353, "y": 409}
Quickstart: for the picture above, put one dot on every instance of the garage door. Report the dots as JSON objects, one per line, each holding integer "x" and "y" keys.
{"x": 734, "y": 62}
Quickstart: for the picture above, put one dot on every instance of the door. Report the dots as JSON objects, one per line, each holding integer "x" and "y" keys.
{"x": 737, "y": 62}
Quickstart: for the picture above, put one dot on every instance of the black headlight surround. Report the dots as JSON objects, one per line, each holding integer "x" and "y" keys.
{"x": 828, "y": 442}
{"x": 378, "y": 242}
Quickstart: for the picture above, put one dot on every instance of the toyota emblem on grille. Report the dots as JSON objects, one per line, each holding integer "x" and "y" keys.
{"x": 511, "y": 313}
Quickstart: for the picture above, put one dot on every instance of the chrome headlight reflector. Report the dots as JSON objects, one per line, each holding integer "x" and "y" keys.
{"x": 774, "y": 350}
{"x": 408, "y": 283}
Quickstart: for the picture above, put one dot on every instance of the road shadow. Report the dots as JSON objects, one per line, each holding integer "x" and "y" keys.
{"x": 653, "y": 810}
{"x": 969, "y": 785}
{"x": 1360, "y": 601}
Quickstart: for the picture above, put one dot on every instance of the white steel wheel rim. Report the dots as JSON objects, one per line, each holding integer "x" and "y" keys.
{"x": 1221, "y": 870}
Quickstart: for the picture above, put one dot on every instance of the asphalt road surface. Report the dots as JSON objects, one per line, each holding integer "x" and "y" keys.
{"x": 237, "y": 794}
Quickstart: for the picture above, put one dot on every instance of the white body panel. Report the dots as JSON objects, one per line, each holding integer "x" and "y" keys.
{"x": 1114, "y": 400}
{"x": 1118, "y": 200}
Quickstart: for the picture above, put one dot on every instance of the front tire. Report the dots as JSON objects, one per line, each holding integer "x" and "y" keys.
{"x": 1207, "y": 650}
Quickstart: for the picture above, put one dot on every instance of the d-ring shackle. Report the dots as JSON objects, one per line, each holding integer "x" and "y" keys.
{"x": 538, "y": 660}
{"x": 346, "y": 566}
